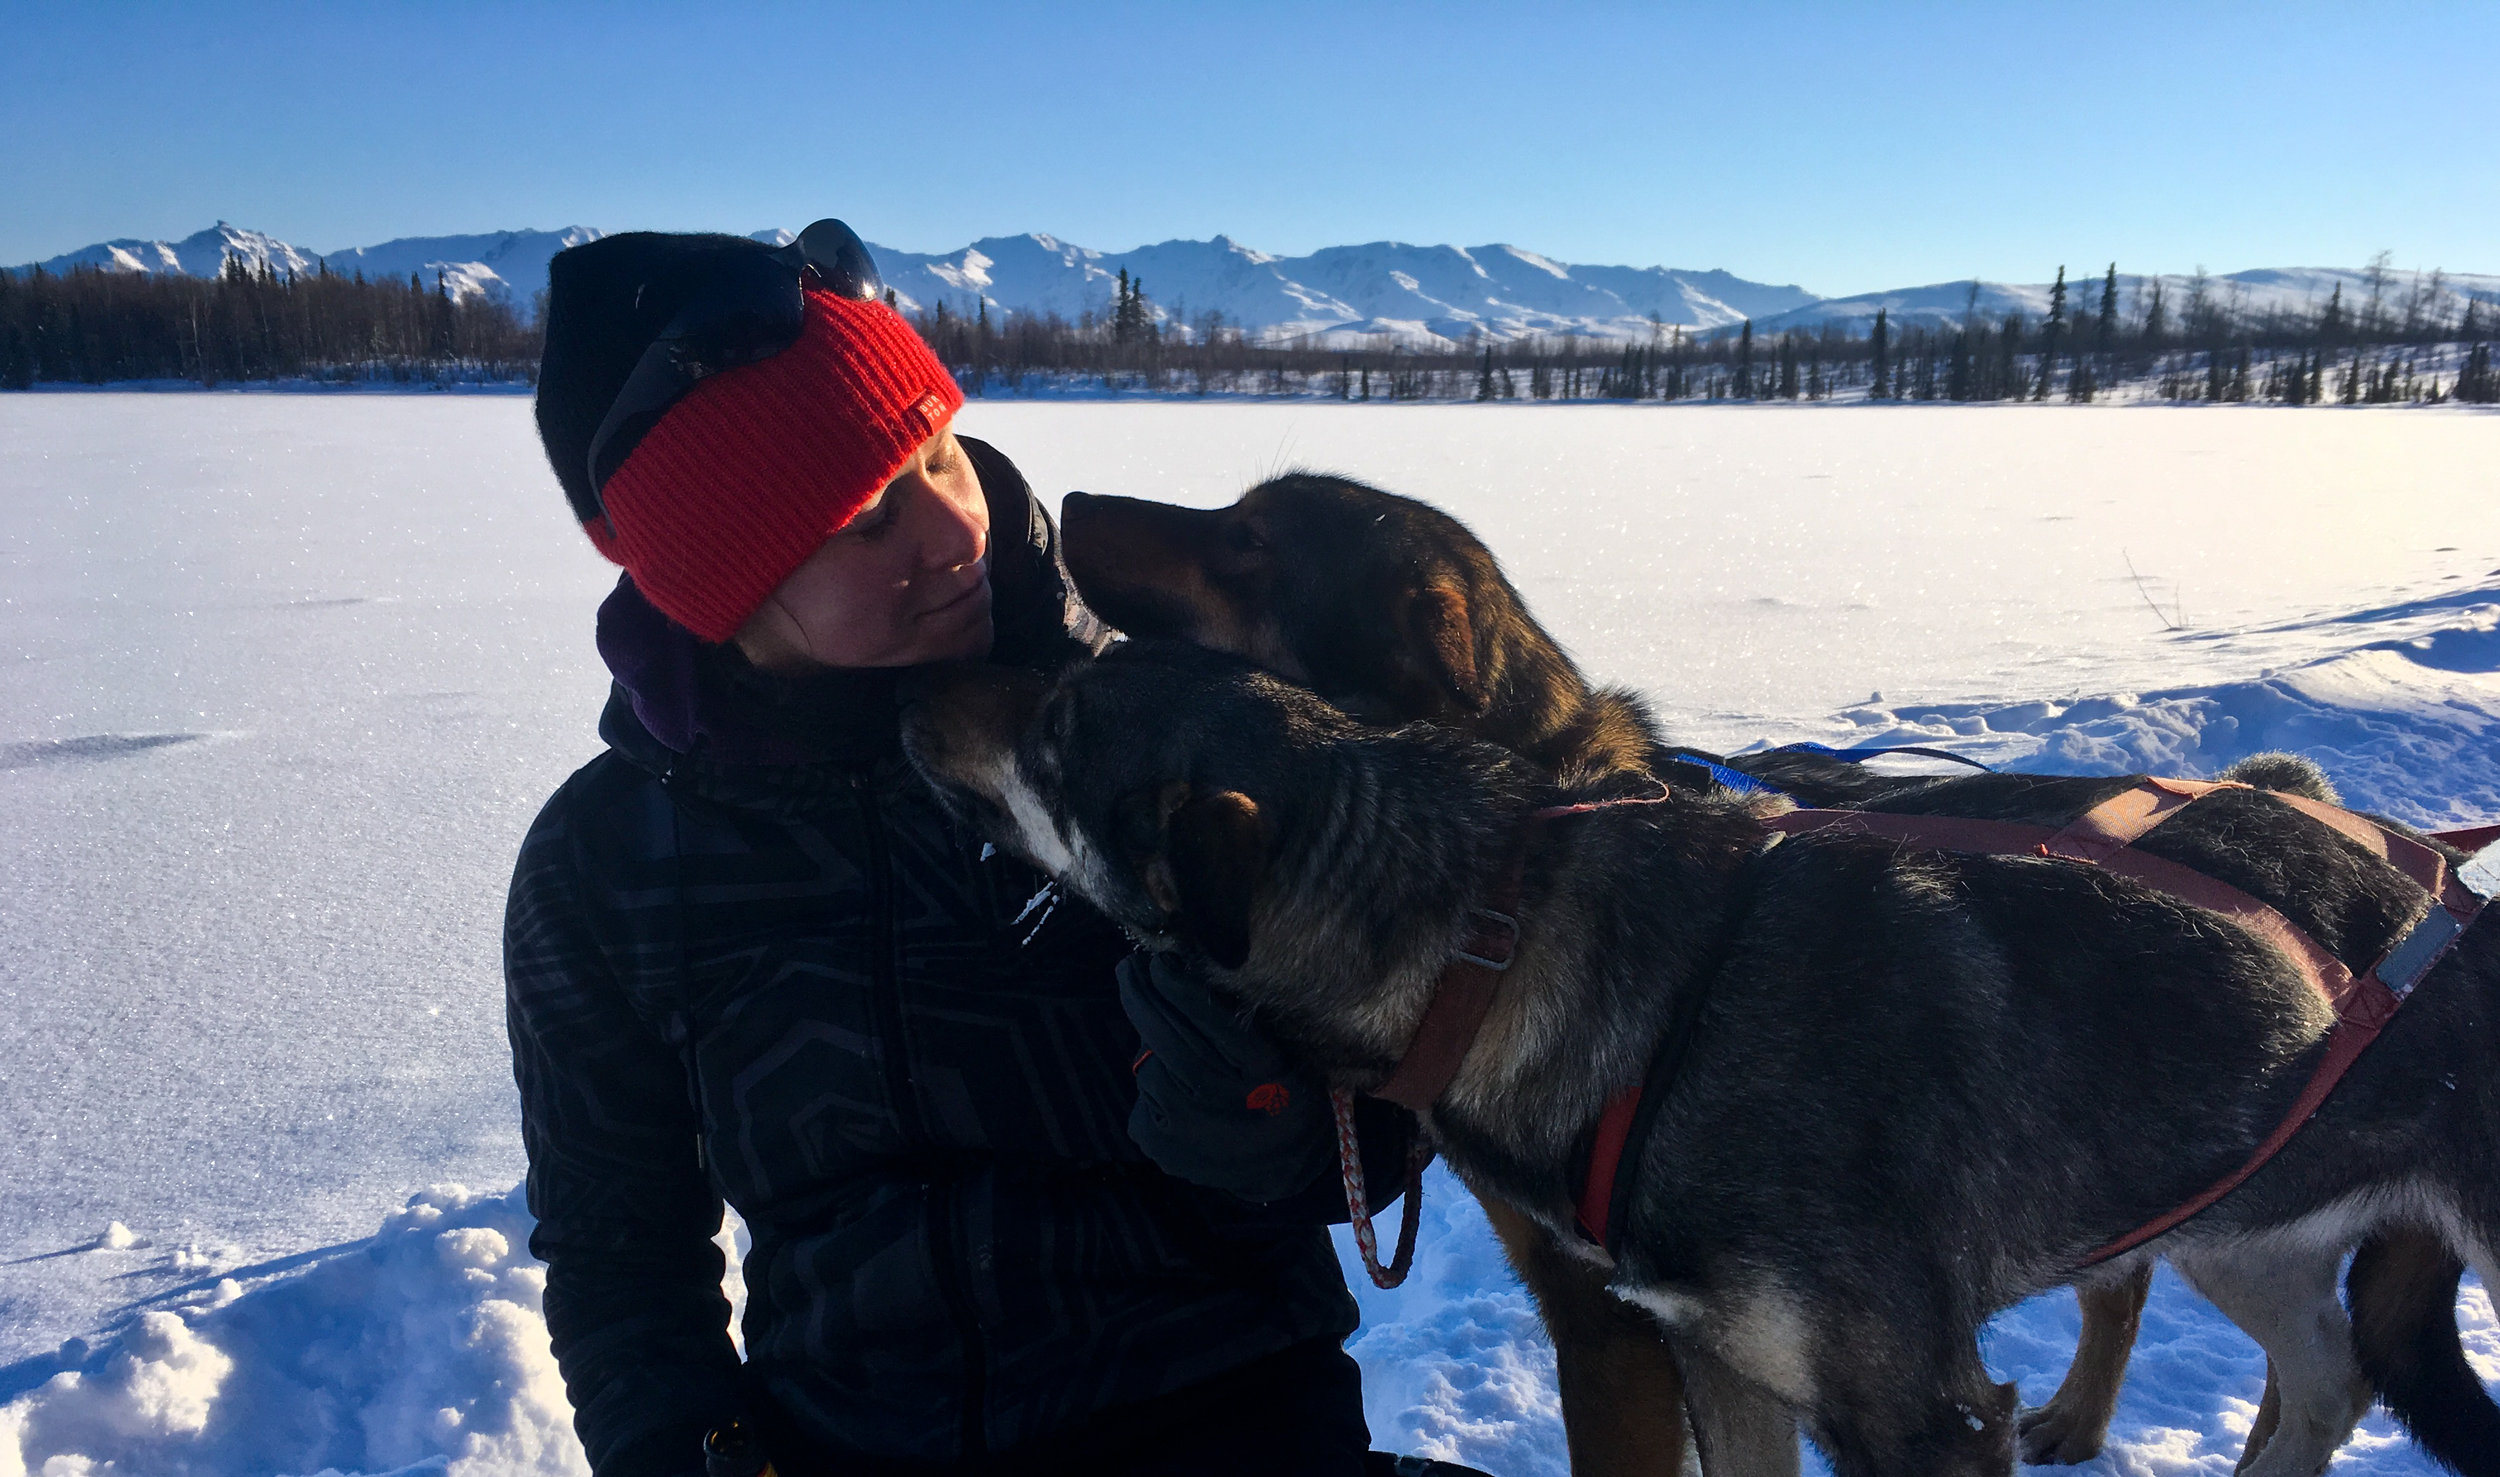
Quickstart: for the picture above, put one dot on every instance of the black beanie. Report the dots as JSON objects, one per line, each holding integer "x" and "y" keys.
{"x": 606, "y": 301}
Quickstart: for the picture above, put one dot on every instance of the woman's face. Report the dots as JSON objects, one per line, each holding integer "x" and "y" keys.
{"x": 906, "y": 581}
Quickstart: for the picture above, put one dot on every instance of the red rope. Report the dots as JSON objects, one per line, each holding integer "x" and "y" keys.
{"x": 1358, "y": 1199}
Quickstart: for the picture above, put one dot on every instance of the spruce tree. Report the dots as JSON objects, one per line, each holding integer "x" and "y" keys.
{"x": 2108, "y": 335}
{"x": 1744, "y": 362}
{"x": 2049, "y": 332}
{"x": 1881, "y": 345}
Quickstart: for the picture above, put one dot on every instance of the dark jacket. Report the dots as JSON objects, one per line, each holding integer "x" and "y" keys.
{"x": 748, "y": 957}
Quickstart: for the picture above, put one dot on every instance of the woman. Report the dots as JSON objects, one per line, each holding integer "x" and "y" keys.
{"x": 749, "y": 958}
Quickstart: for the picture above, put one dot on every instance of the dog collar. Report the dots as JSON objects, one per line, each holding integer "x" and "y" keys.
{"x": 1472, "y": 977}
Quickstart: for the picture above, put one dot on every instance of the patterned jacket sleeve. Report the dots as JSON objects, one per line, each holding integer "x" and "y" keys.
{"x": 625, "y": 1211}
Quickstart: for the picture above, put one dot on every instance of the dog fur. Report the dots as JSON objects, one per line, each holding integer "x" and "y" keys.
{"x": 1395, "y": 611}
{"x": 1923, "y": 1084}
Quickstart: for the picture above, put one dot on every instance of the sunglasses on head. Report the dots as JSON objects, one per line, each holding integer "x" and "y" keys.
{"x": 753, "y": 307}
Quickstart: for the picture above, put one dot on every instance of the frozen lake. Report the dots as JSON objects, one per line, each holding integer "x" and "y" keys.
{"x": 287, "y": 676}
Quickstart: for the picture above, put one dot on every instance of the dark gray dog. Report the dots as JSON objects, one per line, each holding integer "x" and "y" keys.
{"x": 1921, "y": 1085}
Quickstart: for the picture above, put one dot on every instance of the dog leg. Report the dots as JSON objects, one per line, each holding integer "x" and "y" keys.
{"x": 2403, "y": 1286}
{"x": 2074, "y": 1424}
{"x": 2286, "y": 1301}
{"x": 1740, "y": 1429}
{"x": 1889, "y": 1387}
{"x": 1877, "y": 1427}
{"x": 2261, "y": 1430}
{"x": 1622, "y": 1394}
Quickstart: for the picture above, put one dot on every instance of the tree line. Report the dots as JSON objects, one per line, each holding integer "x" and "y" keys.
{"x": 2198, "y": 344}
{"x": 2392, "y": 345}
{"x": 90, "y": 326}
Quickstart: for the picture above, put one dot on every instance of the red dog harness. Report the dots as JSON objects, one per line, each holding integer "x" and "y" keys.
{"x": 2103, "y": 836}
{"x": 1461, "y": 998}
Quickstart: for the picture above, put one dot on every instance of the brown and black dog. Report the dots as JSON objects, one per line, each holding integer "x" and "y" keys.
{"x": 1920, "y": 1085}
{"x": 1395, "y": 612}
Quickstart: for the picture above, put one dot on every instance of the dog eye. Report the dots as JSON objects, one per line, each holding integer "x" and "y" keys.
{"x": 1245, "y": 539}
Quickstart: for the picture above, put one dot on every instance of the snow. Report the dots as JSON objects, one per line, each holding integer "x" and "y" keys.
{"x": 1393, "y": 288}
{"x": 201, "y": 254}
{"x": 507, "y": 266}
{"x": 2301, "y": 290}
{"x": 288, "y": 676}
{"x": 1382, "y": 287}
{"x": 420, "y": 1347}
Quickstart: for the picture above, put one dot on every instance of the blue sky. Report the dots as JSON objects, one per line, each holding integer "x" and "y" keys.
{"x": 1841, "y": 146}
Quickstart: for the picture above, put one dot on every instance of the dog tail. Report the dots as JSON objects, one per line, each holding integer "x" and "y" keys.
{"x": 2403, "y": 1287}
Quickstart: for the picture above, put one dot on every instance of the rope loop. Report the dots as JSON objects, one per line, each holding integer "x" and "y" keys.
{"x": 1358, "y": 1199}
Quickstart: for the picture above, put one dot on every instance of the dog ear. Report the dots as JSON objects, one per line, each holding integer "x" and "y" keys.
{"x": 1441, "y": 633}
{"x": 1214, "y": 852}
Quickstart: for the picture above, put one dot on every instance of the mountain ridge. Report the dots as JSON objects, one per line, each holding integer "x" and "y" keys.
{"x": 1400, "y": 289}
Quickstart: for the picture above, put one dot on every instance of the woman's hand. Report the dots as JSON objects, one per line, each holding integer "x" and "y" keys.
{"x": 1217, "y": 1104}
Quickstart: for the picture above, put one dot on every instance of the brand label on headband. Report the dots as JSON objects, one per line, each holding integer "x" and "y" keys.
{"x": 930, "y": 409}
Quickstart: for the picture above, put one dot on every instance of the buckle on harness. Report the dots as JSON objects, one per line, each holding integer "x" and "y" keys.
{"x": 1491, "y": 948}
{"x": 2418, "y": 951}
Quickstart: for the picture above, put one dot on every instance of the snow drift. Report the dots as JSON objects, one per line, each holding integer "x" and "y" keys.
{"x": 292, "y": 676}
{"x": 422, "y": 1347}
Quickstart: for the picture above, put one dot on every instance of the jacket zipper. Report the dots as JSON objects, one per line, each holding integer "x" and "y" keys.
{"x": 937, "y": 1196}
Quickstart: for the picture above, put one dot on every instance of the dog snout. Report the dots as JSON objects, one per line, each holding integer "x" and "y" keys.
{"x": 1140, "y": 565}
{"x": 961, "y": 722}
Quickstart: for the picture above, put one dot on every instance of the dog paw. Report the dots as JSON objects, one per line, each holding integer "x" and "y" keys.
{"x": 2052, "y": 1437}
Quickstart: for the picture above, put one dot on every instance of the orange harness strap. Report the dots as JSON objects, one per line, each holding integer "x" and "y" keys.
{"x": 1472, "y": 976}
{"x": 1461, "y": 998}
{"x": 2105, "y": 837}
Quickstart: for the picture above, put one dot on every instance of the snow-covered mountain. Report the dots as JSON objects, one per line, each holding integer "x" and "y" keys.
{"x": 2305, "y": 290}
{"x": 202, "y": 255}
{"x": 1384, "y": 287}
{"x": 1444, "y": 292}
{"x": 510, "y": 266}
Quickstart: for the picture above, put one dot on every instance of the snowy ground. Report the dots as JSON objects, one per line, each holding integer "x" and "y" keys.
{"x": 286, "y": 678}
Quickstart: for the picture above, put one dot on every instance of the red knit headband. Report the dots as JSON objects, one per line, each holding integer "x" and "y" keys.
{"x": 748, "y": 475}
